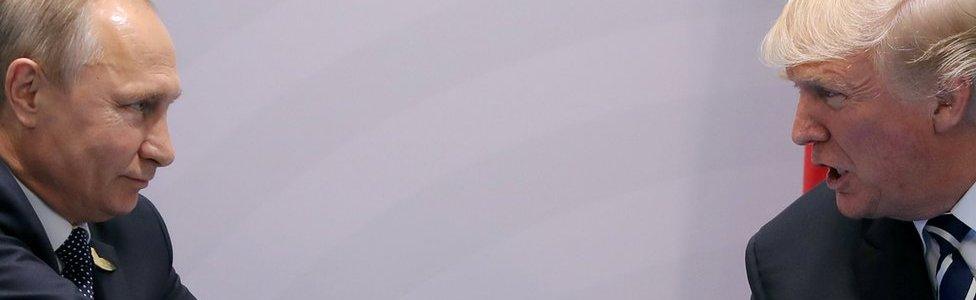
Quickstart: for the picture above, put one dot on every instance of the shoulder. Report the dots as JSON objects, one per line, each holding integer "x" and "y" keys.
{"x": 142, "y": 232}
{"x": 144, "y": 219}
{"x": 24, "y": 275}
{"x": 812, "y": 218}
{"x": 805, "y": 250}
{"x": 139, "y": 244}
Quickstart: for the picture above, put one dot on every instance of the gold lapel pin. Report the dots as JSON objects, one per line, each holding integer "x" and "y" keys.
{"x": 102, "y": 263}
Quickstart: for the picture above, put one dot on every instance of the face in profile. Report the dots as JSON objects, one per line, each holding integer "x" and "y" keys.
{"x": 99, "y": 140}
{"x": 877, "y": 146}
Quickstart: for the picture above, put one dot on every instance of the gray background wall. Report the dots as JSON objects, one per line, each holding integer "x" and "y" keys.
{"x": 444, "y": 149}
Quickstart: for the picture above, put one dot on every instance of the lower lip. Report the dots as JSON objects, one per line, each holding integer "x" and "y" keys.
{"x": 142, "y": 183}
{"x": 839, "y": 182}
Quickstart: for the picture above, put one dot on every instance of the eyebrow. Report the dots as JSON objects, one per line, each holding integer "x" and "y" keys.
{"x": 156, "y": 96}
{"x": 815, "y": 81}
{"x": 817, "y": 75}
{"x": 809, "y": 83}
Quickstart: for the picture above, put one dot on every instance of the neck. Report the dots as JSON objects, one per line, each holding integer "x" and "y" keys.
{"x": 958, "y": 176}
{"x": 9, "y": 145}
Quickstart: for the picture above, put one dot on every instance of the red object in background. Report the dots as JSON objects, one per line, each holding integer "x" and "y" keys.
{"x": 812, "y": 175}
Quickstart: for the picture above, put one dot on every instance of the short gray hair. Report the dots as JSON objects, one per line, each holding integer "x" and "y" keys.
{"x": 58, "y": 34}
{"x": 913, "y": 42}
{"x": 55, "y": 33}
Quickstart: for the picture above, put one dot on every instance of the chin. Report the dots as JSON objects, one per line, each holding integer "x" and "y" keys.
{"x": 856, "y": 206}
{"x": 113, "y": 206}
{"x": 121, "y": 205}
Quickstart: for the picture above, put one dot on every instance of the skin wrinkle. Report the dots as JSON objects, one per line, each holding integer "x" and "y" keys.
{"x": 889, "y": 145}
{"x": 885, "y": 94}
{"x": 862, "y": 89}
{"x": 88, "y": 146}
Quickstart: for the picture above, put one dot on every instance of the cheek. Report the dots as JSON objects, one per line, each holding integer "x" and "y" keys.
{"x": 114, "y": 146}
{"x": 886, "y": 153}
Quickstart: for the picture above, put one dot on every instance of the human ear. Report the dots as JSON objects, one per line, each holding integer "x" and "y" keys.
{"x": 21, "y": 84}
{"x": 953, "y": 103}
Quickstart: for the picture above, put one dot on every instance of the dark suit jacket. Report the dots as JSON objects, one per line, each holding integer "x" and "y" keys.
{"x": 138, "y": 244}
{"x": 811, "y": 251}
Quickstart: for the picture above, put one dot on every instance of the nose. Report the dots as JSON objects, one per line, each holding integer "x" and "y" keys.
{"x": 807, "y": 127}
{"x": 158, "y": 146}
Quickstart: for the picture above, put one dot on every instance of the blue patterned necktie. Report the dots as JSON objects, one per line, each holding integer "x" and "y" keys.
{"x": 955, "y": 279}
{"x": 76, "y": 261}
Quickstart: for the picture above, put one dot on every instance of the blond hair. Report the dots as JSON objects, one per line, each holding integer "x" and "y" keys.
{"x": 913, "y": 42}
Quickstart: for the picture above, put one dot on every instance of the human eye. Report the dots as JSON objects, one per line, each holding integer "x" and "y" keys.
{"x": 139, "y": 106}
{"x": 832, "y": 98}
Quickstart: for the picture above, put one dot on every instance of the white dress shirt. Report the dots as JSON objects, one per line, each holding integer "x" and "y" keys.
{"x": 965, "y": 211}
{"x": 57, "y": 227}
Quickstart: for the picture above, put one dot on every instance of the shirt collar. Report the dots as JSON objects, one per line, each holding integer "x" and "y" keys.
{"x": 965, "y": 211}
{"x": 55, "y": 226}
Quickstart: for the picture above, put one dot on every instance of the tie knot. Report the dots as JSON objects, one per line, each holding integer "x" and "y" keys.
{"x": 78, "y": 235}
{"x": 949, "y": 224}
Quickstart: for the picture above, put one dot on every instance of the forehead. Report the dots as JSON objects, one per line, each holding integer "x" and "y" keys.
{"x": 856, "y": 70}
{"x": 135, "y": 48}
{"x": 132, "y": 30}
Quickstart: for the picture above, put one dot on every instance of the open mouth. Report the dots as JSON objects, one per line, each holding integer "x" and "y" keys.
{"x": 834, "y": 173}
{"x": 835, "y": 177}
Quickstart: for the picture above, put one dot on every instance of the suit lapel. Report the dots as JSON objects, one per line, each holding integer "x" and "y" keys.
{"x": 108, "y": 284}
{"x": 17, "y": 218}
{"x": 889, "y": 262}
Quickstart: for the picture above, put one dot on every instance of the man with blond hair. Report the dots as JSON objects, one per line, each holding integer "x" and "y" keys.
{"x": 886, "y": 100}
{"x": 82, "y": 130}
